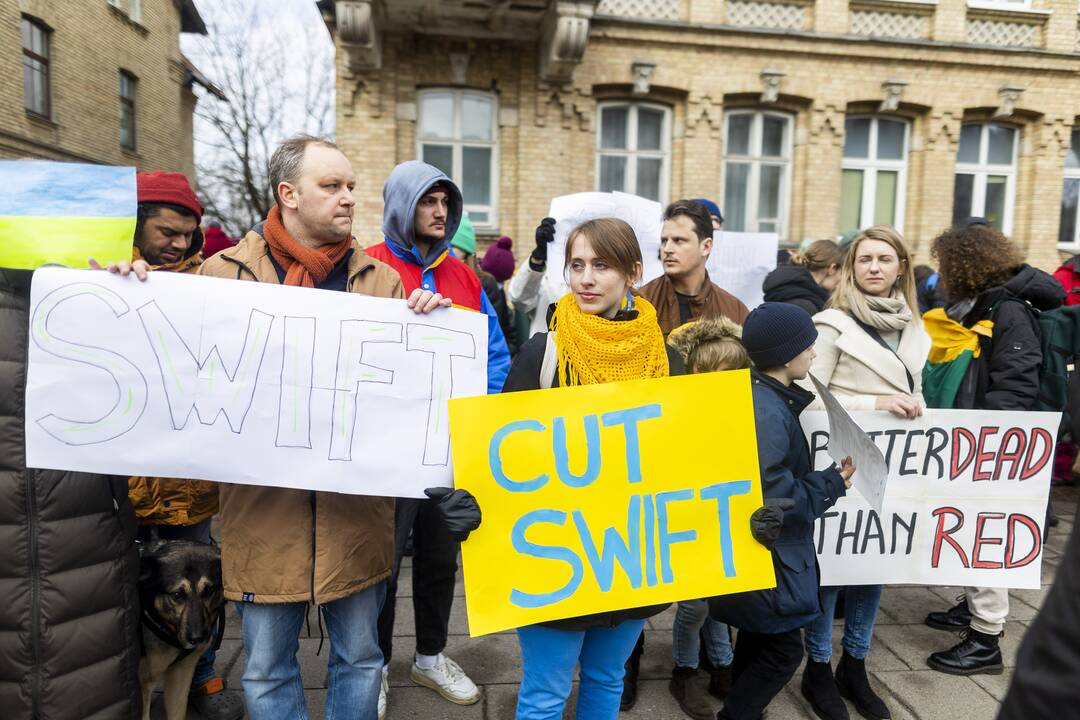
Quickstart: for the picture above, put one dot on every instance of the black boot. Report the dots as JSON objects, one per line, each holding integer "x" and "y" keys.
{"x": 819, "y": 689}
{"x": 975, "y": 653}
{"x": 853, "y": 684}
{"x": 629, "y": 685}
{"x": 954, "y": 619}
{"x": 687, "y": 686}
{"x": 720, "y": 681}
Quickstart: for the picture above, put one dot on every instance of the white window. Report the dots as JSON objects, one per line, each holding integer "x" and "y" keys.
{"x": 633, "y": 150}
{"x": 874, "y": 173}
{"x": 757, "y": 172}
{"x": 1000, "y": 4}
{"x": 1069, "y": 231}
{"x": 458, "y": 134}
{"x": 132, "y": 7}
{"x": 985, "y": 184}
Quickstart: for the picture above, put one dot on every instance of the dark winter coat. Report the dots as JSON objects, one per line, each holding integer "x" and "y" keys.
{"x": 1005, "y": 376}
{"x": 525, "y": 375}
{"x": 1044, "y": 685}
{"x": 795, "y": 285}
{"x": 785, "y": 473}
{"x": 69, "y": 642}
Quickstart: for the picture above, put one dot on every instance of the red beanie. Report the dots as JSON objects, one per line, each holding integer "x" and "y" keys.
{"x": 168, "y": 187}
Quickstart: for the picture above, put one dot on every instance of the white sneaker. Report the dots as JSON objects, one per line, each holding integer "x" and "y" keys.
{"x": 448, "y": 679}
{"x": 384, "y": 690}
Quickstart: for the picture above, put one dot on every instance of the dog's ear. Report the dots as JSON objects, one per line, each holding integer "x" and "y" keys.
{"x": 148, "y": 567}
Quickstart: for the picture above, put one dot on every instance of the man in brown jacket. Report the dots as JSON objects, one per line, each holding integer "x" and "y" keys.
{"x": 284, "y": 548}
{"x": 168, "y": 239}
{"x": 684, "y": 292}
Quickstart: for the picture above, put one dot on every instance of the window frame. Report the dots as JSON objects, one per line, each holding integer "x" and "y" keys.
{"x": 999, "y": 5}
{"x": 871, "y": 165}
{"x": 755, "y": 159}
{"x": 45, "y": 60}
{"x": 128, "y": 103}
{"x": 631, "y": 152}
{"x": 457, "y": 143}
{"x": 982, "y": 169}
{"x": 1072, "y": 173}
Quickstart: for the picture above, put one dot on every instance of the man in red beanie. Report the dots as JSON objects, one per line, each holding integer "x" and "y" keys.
{"x": 168, "y": 238}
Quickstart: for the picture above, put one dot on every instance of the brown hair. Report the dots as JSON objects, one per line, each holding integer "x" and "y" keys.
{"x": 847, "y": 294}
{"x": 821, "y": 255}
{"x": 288, "y": 160}
{"x": 613, "y": 241}
{"x": 710, "y": 345}
{"x": 698, "y": 214}
{"x": 973, "y": 258}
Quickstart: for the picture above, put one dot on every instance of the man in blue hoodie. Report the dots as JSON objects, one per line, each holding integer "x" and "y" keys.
{"x": 423, "y": 209}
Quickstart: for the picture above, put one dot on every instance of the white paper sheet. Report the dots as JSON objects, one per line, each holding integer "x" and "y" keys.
{"x": 965, "y": 503}
{"x": 644, "y": 216}
{"x": 740, "y": 261}
{"x": 846, "y": 439}
{"x": 242, "y": 382}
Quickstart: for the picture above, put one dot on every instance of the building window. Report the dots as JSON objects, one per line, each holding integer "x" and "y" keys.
{"x": 633, "y": 150}
{"x": 874, "y": 173}
{"x": 1000, "y": 4}
{"x": 986, "y": 174}
{"x": 1069, "y": 231}
{"x": 458, "y": 134}
{"x": 757, "y": 171}
{"x": 128, "y": 84}
{"x": 35, "y": 56}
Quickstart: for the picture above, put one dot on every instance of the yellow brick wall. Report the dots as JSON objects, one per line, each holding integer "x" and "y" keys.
{"x": 703, "y": 69}
{"x": 91, "y": 41}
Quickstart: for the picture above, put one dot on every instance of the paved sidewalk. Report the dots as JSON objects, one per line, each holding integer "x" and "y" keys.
{"x": 897, "y": 661}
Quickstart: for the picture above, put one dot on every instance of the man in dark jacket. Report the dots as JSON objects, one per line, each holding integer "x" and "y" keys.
{"x": 985, "y": 280}
{"x": 69, "y": 622}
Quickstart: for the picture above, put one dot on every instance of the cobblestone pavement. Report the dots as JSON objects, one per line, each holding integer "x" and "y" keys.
{"x": 897, "y": 660}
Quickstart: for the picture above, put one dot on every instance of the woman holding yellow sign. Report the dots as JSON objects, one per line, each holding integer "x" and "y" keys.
{"x": 601, "y": 332}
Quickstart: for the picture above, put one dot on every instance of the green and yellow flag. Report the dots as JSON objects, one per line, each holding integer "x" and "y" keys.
{"x": 954, "y": 347}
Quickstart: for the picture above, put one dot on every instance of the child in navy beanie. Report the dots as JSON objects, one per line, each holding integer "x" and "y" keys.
{"x": 780, "y": 341}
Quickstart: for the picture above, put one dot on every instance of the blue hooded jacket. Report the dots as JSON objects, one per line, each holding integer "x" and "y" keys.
{"x": 437, "y": 270}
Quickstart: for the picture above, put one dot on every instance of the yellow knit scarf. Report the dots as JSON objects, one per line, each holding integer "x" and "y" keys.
{"x": 593, "y": 349}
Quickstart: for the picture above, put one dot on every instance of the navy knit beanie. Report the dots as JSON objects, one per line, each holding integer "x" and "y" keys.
{"x": 776, "y": 332}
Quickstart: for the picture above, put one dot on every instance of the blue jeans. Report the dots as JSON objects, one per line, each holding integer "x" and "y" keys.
{"x": 691, "y": 618}
{"x": 860, "y": 609}
{"x": 272, "y": 685}
{"x": 548, "y": 659}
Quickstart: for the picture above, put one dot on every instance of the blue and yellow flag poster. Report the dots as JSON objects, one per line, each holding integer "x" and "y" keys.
{"x": 65, "y": 213}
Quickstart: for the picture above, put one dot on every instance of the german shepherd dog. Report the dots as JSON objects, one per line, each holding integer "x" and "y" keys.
{"x": 182, "y": 601}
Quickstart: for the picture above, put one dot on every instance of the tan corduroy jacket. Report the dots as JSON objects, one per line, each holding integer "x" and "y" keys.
{"x": 283, "y": 545}
{"x": 857, "y": 369}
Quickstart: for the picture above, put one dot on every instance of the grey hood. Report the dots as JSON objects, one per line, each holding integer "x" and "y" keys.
{"x": 406, "y": 185}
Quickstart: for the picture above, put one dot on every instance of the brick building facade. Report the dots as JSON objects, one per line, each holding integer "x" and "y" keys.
{"x": 807, "y": 117}
{"x": 100, "y": 81}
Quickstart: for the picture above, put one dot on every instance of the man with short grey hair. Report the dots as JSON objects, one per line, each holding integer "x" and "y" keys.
{"x": 283, "y": 548}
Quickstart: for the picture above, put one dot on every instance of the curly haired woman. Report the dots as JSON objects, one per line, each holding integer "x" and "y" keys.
{"x": 985, "y": 356}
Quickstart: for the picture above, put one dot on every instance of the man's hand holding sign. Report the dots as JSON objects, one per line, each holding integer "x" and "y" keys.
{"x": 599, "y": 498}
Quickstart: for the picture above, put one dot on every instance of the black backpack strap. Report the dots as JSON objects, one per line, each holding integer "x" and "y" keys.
{"x": 872, "y": 332}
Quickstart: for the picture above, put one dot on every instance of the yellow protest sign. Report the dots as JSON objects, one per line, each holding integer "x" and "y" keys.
{"x": 606, "y": 497}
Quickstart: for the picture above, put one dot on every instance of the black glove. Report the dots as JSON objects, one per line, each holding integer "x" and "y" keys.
{"x": 765, "y": 523}
{"x": 459, "y": 510}
{"x": 545, "y": 235}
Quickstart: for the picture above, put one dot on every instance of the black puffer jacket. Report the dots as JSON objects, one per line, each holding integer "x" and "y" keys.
{"x": 795, "y": 285}
{"x": 69, "y": 645}
{"x": 1005, "y": 376}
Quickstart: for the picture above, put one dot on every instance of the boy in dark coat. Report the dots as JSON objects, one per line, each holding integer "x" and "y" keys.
{"x": 779, "y": 338}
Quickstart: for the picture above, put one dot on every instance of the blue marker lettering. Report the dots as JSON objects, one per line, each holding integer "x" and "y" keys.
{"x": 627, "y": 553}
{"x": 547, "y": 552}
{"x": 562, "y": 459}
{"x": 722, "y": 493}
{"x": 629, "y": 419}
{"x": 495, "y": 459}
{"x": 666, "y": 539}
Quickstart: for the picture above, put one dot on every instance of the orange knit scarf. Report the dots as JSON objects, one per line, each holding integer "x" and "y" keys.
{"x": 304, "y": 266}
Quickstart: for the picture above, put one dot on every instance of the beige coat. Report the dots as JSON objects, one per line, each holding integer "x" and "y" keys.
{"x": 857, "y": 369}
{"x": 282, "y": 545}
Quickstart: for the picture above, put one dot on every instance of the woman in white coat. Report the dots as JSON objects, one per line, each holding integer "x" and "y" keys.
{"x": 871, "y": 348}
